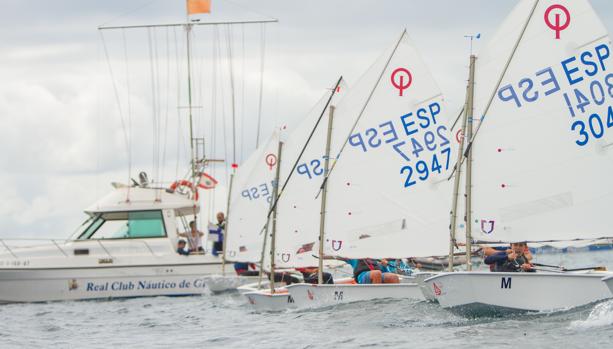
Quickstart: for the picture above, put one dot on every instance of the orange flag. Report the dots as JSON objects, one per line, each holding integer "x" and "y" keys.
{"x": 198, "y": 6}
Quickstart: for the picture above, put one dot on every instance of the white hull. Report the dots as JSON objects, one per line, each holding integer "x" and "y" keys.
{"x": 609, "y": 282}
{"x": 265, "y": 301}
{"x": 315, "y": 296}
{"x": 223, "y": 283}
{"x": 256, "y": 286}
{"x": 74, "y": 283}
{"x": 487, "y": 294}
{"x": 426, "y": 290}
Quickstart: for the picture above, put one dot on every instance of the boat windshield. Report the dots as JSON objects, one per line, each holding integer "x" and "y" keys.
{"x": 125, "y": 225}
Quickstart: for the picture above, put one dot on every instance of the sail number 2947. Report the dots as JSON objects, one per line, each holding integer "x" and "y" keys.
{"x": 416, "y": 138}
{"x": 424, "y": 168}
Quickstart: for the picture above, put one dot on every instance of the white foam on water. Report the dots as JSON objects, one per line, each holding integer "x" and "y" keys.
{"x": 600, "y": 316}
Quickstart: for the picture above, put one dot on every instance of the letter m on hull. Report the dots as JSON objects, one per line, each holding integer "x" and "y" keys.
{"x": 505, "y": 282}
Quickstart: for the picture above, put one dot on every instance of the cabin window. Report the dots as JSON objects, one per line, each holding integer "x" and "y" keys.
{"x": 126, "y": 225}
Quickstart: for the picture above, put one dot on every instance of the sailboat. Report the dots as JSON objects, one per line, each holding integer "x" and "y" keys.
{"x": 392, "y": 156}
{"x": 128, "y": 245}
{"x": 295, "y": 228}
{"x": 245, "y": 239}
{"x": 539, "y": 156}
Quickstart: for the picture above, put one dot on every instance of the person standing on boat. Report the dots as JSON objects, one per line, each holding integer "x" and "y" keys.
{"x": 513, "y": 260}
{"x": 219, "y": 229}
{"x": 194, "y": 238}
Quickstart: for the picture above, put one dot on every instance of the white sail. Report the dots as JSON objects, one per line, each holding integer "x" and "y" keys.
{"x": 543, "y": 153}
{"x": 389, "y": 193}
{"x": 250, "y": 203}
{"x": 299, "y": 207}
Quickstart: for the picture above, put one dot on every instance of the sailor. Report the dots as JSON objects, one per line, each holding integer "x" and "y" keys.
{"x": 512, "y": 260}
{"x": 311, "y": 276}
{"x": 194, "y": 238}
{"x": 287, "y": 278}
{"x": 219, "y": 229}
{"x": 246, "y": 269}
{"x": 371, "y": 271}
{"x": 398, "y": 266}
{"x": 489, "y": 251}
{"x": 181, "y": 248}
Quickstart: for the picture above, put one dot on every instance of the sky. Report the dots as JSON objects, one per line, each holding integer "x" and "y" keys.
{"x": 62, "y": 140}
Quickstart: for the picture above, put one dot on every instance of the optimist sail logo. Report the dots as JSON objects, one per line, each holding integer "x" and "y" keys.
{"x": 337, "y": 244}
{"x": 401, "y": 79}
{"x": 271, "y": 161}
{"x": 487, "y": 227}
{"x": 557, "y": 18}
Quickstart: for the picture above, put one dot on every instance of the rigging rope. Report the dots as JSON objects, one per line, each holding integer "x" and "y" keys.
{"x": 167, "y": 112}
{"x": 158, "y": 124}
{"x": 261, "y": 93}
{"x": 116, "y": 91}
{"x": 223, "y": 111}
{"x": 229, "y": 39}
{"x": 242, "y": 125}
{"x": 153, "y": 96}
{"x": 178, "y": 89}
{"x": 215, "y": 62}
{"x": 129, "y": 131}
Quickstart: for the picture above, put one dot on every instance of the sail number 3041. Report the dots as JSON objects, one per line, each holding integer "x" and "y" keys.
{"x": 594, "y": 128}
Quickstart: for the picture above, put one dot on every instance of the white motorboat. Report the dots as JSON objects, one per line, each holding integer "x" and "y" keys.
{"x": 127, "y": 248}
{"x": 485, "y": 293}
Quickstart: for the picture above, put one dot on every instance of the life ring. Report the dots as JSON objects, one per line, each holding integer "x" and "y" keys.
{"x": 185, "y": 183}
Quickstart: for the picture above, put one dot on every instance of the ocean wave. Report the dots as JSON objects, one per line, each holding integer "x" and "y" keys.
{"x": 600, "y": 316}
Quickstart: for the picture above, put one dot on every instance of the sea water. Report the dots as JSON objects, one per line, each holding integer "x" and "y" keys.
{"x": 224, "y": 321}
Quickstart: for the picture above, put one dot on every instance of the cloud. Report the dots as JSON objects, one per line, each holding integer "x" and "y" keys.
{"x": 61, "y": 135}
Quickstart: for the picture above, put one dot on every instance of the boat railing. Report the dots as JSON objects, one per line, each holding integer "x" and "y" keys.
{"x": 13, "y": 249}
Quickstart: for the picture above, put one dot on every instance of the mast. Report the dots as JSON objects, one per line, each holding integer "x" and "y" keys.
{"x": 324, "y": 194}
{"x": 263, "y": 255}
{"x": 225, "y": 233}
{"x": 469, "y": 134}
{"x": 188, "y": 29}
{"x": 458, "y": 178}
{"x": 274, "y": 222}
